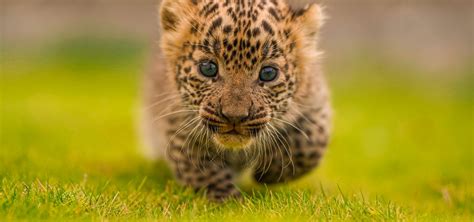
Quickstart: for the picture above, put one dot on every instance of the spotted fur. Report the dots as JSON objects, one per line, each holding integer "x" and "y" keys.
{"x": 209, "y": 129}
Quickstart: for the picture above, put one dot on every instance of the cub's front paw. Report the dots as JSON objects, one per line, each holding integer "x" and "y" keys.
{"x": 222, "y": 193}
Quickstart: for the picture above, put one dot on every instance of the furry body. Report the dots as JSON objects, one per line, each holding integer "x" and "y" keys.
{"x": 209, "y": 129}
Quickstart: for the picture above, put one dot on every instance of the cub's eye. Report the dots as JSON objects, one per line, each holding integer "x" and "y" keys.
{"x": 268, "y": 74}
{"x": 208, "y": 69}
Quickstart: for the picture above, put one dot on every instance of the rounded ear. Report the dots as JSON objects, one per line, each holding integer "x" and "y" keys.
{"x": 310, "y": 20}
{"x": 172, "y": 12}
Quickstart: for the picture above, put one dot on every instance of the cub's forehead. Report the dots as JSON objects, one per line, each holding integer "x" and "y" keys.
{"x": 236, "y": 15}
{"x": 241, "y": 8}
{"x": 241, "y": 32}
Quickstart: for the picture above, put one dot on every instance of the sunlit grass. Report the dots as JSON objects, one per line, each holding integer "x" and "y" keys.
{"x": 402, "y": 146}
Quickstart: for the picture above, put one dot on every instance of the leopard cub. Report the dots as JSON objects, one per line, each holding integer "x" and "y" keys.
{"x": 237, "y": 85}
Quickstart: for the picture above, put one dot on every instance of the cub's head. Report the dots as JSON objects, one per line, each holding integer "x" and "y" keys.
{"x": 241, "y": 63}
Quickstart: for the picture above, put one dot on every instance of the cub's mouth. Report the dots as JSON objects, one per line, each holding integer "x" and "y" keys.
{"x": 233, "y": 141}
{"x": 233, "y": 137}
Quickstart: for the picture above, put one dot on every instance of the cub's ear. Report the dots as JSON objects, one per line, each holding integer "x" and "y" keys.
{"x": 309, "y": 20}
{"x": 173, "y": 13}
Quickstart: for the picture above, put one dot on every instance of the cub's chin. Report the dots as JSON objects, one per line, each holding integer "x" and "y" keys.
{"x": 233, "y": 141}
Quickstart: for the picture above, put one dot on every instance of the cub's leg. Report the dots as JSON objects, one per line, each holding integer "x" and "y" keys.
{"x": 193, "y": 167}
{"x": 298, "y": 151}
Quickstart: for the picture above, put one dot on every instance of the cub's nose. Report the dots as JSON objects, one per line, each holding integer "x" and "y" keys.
{"x": 235, "y": 104}
{"x": 235, "y": 115}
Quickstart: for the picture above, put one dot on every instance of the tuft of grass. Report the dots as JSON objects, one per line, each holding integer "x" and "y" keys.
{"x": 401, "y": 150}
{"x": 44, "y": 200}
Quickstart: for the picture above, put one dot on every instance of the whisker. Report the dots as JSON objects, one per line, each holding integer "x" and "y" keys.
{"x": 162, "y": 101}
{"x": 173, "y": 113}
{"x": 271, "y": 148}
{"x": 297, "y": 128}
{"x": 287, "y": 147}
{"x": 190, "y": 134}
{"x": 181, "y": 128}
{"x": 164, "y": 94}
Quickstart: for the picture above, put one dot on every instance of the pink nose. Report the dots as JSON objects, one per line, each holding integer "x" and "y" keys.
{"x": 235, "y": 115}
{"x": 235, "y": 103}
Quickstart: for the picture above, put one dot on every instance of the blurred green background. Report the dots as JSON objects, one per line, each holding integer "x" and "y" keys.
{"x": 402, "y": 80}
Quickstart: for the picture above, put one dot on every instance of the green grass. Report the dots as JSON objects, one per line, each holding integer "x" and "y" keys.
{"x": 402, "y": 147}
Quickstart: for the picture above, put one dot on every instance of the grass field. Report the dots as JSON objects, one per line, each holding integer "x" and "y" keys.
{"x": 402, "y": 147}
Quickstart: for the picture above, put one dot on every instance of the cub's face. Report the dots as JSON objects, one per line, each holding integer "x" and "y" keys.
{"x": 239, "y": 62}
